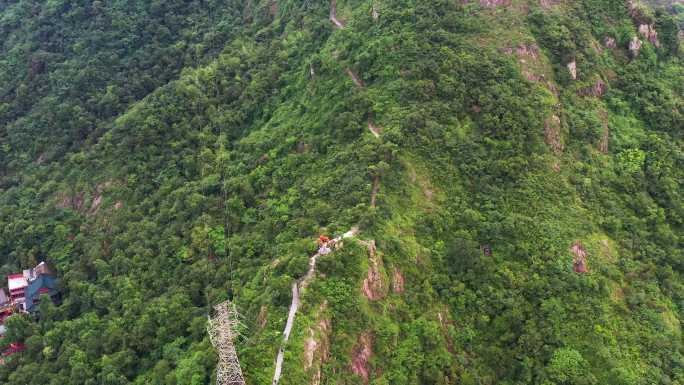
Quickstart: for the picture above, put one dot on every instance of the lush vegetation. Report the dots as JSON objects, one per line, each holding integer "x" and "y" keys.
{"x": 166, "y": 156}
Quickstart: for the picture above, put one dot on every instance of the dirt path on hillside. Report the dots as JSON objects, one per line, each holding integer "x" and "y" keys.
{"x": 303, "y": 282}
{"x": 375, "y": 130}
{"x": 355, "y": 78}
{"x": 297, "y": 288}
{"x": 333, "y": 15}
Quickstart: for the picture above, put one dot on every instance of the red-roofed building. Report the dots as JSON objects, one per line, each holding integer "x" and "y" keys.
{"x": 25, "y": 290}
{"x": 17, "y": 284}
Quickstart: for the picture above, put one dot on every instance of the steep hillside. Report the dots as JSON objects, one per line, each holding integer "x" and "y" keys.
{"x": 514, "y": 169}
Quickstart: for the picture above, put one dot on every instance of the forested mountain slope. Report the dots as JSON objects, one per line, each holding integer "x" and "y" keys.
{"x": 166, "y": 156}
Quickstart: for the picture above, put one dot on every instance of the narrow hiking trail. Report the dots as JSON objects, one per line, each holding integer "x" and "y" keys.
{"x": 297, "y": 287}
{"x": 358, "y": 82}
{"x": 303, "y": 282}
{"x": 375, "y": 130}
{"x": 333, "y": 15}
{"x": 355, "y": 78}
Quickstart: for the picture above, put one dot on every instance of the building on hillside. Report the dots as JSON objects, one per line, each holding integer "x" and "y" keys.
{"x": 26, "y": 288}
{"x": 17, "y": 286}
{"x": 43, "y": 284}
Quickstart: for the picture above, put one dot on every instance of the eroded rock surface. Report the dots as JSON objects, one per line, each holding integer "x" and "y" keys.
{"x": 649, "y": 33}
{"x": 572, "y": 69}
{"x": 361, "y": 355}
{"x": 552, "y": 134}
{"x": 635, "y": 46}
{"x": 596, "y": 90}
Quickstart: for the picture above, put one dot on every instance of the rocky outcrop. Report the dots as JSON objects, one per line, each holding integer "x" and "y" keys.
{"x": 609, "y": 42}
{"x": 552, "y": 134}
{"x": 605, "y": 135}
{"x": 579, "y": 259}
{"x": 262, "y": 317}
{"x": 317, "y": 348}
{"x": 397, "y": 281}
{"x": 639, "y": 12}
{"x": 73, "y": 202}
{"x": 374, "y": 287}
{"x": 527, "y": 50}
{"x": 362, "y": 353}
{"x": 491, "y": 3}
{"x": 596, "y": 90}
{"x": 310, "y": 346}
{"x": 649, "y": 33}
{"x": 635, "y": 46}
{"x": 97, "y": 197}
{"x": 77, "y": 201}
{"x": 529, "y": 56}
{"x": 523, "y": 51}
{"x": 572, "y": 69}
{"x": 548, "y": 4}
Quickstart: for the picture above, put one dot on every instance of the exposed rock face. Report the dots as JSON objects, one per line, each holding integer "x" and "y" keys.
{"x": 77, "y": 201}
{"x": 373, "y": 286}
{"x": 523, "y": 51}
{"x": 649, "y": 33}
{"x": 526, "y": 54}
{"x": 605, "y": 135}
{"x": 310, "y": 346}
{"x": 397, "y": 281}
{"x": 361, "y": 355}
{"x": 572, "y": 69}
{"x": 494, "y": 3}
{"x": 41, "y": 159}
{"x": 527, "y": 50}
{"x": 97, "y": 198}
{"x": 597, "y": 90}
{"x": 262, "y": 317}
{"x": 317, "y": 348}
{"x": 552, "y": 135}
{"x": 635, "y": 46}
{"x": 609, "y": 42}
{"x": 547, "y": 4}
{"x": 579, "y": 260}
{"x": 74, "y": 202}
{"x": 96, "y": 204}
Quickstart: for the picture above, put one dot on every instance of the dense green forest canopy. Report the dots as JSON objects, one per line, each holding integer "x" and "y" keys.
{"x": 168, "y": 155}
